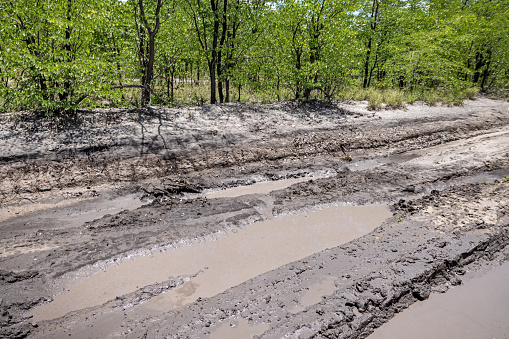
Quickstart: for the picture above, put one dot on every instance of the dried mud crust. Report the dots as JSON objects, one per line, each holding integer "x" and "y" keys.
{"x": 40, "y": 155}
{"x": 108, "y": 154}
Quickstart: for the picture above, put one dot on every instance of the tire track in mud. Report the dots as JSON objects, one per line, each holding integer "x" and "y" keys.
{"x": 140, "y": 155}
{"x": 411, "y": 208}
{"x": 229, "y": 260}
{"x": 421, "y": 265}
{"x": 375, "y": 276}
{"x": 135, "y": 219}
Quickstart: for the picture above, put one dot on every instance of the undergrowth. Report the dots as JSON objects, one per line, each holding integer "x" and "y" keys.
{"x": 198, "y": 93}
{"x": 397, "y": 98}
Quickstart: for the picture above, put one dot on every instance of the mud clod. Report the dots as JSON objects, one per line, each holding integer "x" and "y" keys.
{"x": 12, "y": 277}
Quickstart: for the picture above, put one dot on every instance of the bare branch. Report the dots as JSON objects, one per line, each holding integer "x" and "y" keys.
{"x": 127, "y": 86}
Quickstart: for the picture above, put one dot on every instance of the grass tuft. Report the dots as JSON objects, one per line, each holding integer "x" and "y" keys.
{"x": 393, "y": 98}
{"x": 471, "y": 92}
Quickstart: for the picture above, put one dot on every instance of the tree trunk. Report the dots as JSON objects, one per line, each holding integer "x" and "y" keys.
{"x": 198, "y": 73}
{"x": 366, "y": 65}
{"x": 212, "y": 62}
{"x": 220, "y": 68}
{"x": 486, "y": 71}
{"x": 219, "y": 78}
{"x": 64, "y": 96}
{"x": 167, "y": 76}
{"x": 172, "y": 94}
{"x": 147, "y": 79}
{"x": 298, "y": 66}
{"x": 481, "y": 61}
{"x": 227, "y": 90}
{"x": 277, "y": 88}
{"x": 374, "y": 16}
{"x": 314, "y": 53}
{"x": 212, "y": 74}
{"x": 148, "y": 73}
{"x": 372, "y": 69}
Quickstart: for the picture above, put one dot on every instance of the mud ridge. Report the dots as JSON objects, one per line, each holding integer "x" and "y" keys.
{"x": 418, "y": 288}
{"x": 141, "y": 151}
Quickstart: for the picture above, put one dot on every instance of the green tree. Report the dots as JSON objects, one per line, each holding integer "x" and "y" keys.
{"x": 305, "y": 32}
{"x": 488, "y": 26}
{"x": 49, "y": 53}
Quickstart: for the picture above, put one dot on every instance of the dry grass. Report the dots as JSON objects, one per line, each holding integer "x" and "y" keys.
{"x": 376, "y": 98}
{"x": 397, "y": 98}
{"x": 393, "y": 98}
{"x": 198, "y": 93}
{"x": 471, "y": 92}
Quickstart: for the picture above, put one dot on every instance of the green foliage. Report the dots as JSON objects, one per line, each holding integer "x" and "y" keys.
{"x": 61, "y": 55}
{"x": 50, "y": 58}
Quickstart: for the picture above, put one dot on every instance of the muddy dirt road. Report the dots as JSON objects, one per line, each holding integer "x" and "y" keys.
{"x": 244, "y": 220}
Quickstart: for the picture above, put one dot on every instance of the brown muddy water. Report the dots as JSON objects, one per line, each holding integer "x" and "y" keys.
{"x": 315, "y": 293}
{"x": 262, "y": 187}
{"x": 238, "y": 329}
{"x": 479, "y": 309}
{"x": 226, "y": 260}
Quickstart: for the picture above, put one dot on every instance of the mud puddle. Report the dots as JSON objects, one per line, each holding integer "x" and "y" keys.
{"x": 266, "y": 187}
{"x": 477, "y": 309}
{"x": 262, "y": 187}
{"x": 369, "y": 164}
{"x": 237, "y": 329}
{"x": 315, "y": 293}
{"x": 234, "y": 257}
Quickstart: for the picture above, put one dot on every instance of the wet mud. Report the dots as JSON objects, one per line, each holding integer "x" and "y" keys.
{"x": 237, "y": 329}
{"x": 476, "y": 309}
{"x": 232, "y": 258}
{"x": 261, "y": 187}
{"x": 289, "y": 235}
